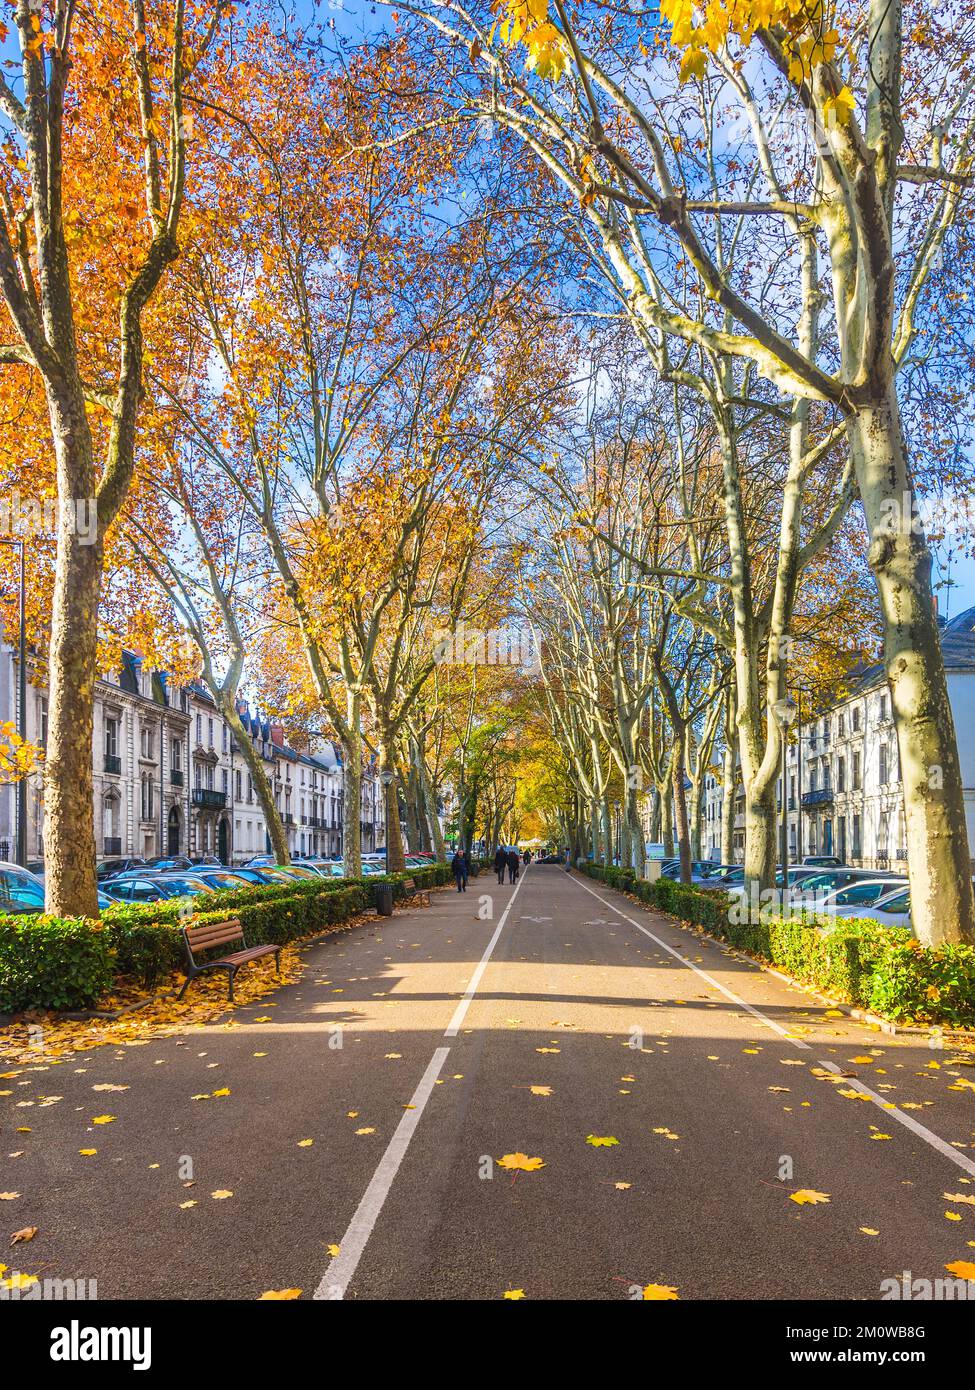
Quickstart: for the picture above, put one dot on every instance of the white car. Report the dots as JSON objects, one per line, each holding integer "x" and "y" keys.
{"x": 851, "y": 899}
{"x": 893, "y": 910}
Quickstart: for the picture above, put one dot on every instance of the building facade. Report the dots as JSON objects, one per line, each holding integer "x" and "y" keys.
{"x": 844, "y": 794}
{"x": 170, "y": 777}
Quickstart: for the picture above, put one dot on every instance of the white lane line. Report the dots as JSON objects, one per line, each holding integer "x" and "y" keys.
{"x": 756, "y": 1013}
{"x": 933, "y": 1140}
{"x": 335, "y": 1280}
{"x": 337, "y": 1277}
{"x": 460, "y": 1013}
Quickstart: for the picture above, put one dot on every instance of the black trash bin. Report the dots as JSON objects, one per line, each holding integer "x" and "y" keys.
{"x": 384, "y": 899}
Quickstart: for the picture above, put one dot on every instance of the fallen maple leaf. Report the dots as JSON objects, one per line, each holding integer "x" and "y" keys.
{"x": 185, "y": 1206}
{"x": 305, "y": 1143}
{"x": 963, "y": 1268}
{"x": 514, "y": 1294}
{"x": 225, "y": 1091}
{"x": 808, "y": 1196}
{"x": 279, "y": 1295}
{"x": 366, "y": 1130}
{"x": 622, "y": 1186}
{"x": 9, "y": 1196}
{"x": 659, "y": 1292}
{"x": 333, "y": 1250}
{"x": 87, "y": 1153}
{"x": 103, "y": 1120}
{"x": 28, "y": 1233}
{"x": 19, "y": 1281}
{"x": 601, "y": 1141}
{"x": 221, "y": 1193}
{"x": 546, "y": 1049}
{"x": 540, "y": 1090}
{"x": 109, "y": 1086}
{"x": 521, "y": 1161}
{"x": 959, "y": 1197}
{"x": 868, "y": 1231}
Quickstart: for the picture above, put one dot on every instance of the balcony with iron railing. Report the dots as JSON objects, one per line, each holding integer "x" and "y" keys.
{"x": 822, "y": 796}
{"x": 209, "y": 798}
{"x": 176, "y": 777}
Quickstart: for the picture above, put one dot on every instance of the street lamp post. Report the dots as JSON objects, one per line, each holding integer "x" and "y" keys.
{"x": 785, "y": 711}
{"x": 21, "y": 706}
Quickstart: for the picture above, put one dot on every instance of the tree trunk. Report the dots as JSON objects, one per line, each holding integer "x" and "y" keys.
{"x": 760, "y": 839}
{"x": 69, "y": 819}
{"x": 680, "y": 812}
{"x": 265, "y": 792}
{"x": 352, "y": 808}
{"x": 939, "y": 864}
{"x": 667, "y": 821}
{"x": 728, "y": 799}
{"x": 412, "y": 816}
{"x": 430, "y": 801}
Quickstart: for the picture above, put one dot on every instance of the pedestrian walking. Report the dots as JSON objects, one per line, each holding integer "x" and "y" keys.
{"x": 500, "y": 863}
{"x": 513, "y": 863}
{"x": 527, "y": 857}
{"x": 460, "y": 865}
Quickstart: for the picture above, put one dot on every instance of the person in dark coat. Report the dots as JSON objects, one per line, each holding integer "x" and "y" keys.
{"x": 500, "y": 863}
{"x": 513, "y": 864}
{"x": 527, "y": 857}
{"x": 459, "y": 864}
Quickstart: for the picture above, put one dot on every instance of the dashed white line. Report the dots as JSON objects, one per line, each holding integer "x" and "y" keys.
{"x": 933, "y": 1140}
{"x": 460, "y": 1013}
{"x": 337, "y": 1277}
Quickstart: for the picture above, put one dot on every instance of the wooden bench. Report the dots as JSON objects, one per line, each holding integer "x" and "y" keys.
{"x": 411, "y": 891}
{"x": 204, "y": 938}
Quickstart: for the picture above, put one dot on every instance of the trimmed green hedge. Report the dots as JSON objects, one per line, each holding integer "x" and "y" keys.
{"x": 69, "y": 963}
{"x": 52, "y": 962}
{"x": 883, "y": 969}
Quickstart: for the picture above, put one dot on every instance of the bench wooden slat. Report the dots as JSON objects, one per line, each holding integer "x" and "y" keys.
{"x": 213, "y": 934}
{"x": 209, "y": 934}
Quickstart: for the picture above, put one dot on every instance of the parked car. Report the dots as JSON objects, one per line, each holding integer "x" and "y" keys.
{"x": 198, "y": 860}
{"x": 138, "y": 888}
{"x": 23, "y": 891}
{"x": 722, "y": 875}
{"x": 829, "y": 879}
{"x": 823, "y": 861}
{"x": 217, "y": 879}
{"x": 671, "y": 869}
{"x": 254, "y": 876}
{"x": 111, "y": 868}
{"x": 863, "y": 893}
{"x": 162, "y": 863}
{"x": 893, "y": 910}
{"x": 299, "y": 871}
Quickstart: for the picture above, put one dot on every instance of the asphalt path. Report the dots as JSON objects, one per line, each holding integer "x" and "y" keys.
{"x": 418, "y": 1052}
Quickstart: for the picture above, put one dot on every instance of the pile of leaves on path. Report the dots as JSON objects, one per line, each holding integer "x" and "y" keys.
{"x": 159, "y": 1014}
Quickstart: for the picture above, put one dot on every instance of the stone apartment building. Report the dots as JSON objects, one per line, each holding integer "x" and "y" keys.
{"x": 843, "y": 784}
{"x": 170, "y": 778}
